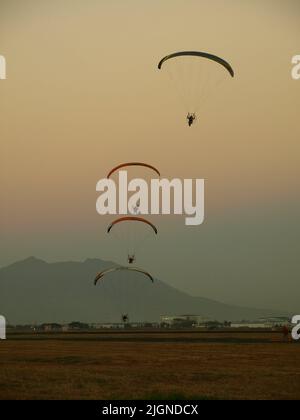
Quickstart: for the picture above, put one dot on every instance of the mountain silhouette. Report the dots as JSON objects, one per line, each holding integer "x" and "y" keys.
{"x": 34, "y": 291}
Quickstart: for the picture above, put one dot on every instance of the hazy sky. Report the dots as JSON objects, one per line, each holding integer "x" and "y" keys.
{"x": 83, "y": 94}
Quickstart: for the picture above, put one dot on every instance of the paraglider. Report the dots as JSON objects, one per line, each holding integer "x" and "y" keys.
{"x": 131, "y": 236}
{"x": 194, "y": 74}
{"x": 118, "y": 289}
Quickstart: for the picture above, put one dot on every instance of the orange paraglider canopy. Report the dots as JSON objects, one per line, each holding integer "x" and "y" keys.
{"x": 112, "y": 270}
{"x": 132, "y": 219}
{"x": 124, "y": 165}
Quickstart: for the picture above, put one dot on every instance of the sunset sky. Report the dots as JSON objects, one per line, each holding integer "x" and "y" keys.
{"x": 83, "y": 94}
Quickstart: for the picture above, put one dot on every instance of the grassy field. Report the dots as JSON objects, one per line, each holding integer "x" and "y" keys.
{"x": 153, "y": 365}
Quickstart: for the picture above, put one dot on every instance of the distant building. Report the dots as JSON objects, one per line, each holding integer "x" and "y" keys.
{"x": 184, "y": 321}
{"x": 276, "y": 321}
{"x": 78, "y": 326}
{"x": 102, "y": 325}
{"x": 65, "y": 328}
{"x": 264, "y": 323}
{"x": 51, "y": 327}
{"x": 107, "y": 325}
{"x": 199, "y": 321}
{"x": 253, "y": 325}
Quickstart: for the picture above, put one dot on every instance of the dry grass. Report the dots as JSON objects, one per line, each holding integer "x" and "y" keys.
{"x": 149, "y": 366}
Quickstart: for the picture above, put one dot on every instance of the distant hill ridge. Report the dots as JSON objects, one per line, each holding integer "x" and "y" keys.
{"x": 34, "y": 291}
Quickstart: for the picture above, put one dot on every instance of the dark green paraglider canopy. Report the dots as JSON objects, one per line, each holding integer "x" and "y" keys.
{"x": 199, "y": 54}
